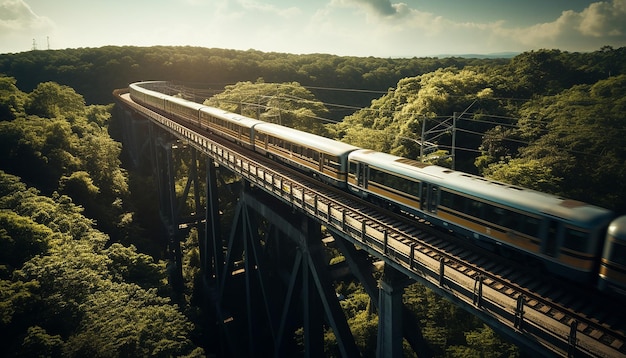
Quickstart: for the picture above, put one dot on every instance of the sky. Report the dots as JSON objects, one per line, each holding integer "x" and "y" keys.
{"x": 379, "y": 28}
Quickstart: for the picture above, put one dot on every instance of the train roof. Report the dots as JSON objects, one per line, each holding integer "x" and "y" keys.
{"x": 308, "y": 140}
{"x": 494, "y": 191}
{"x": 187, "y": 103}
{"x": 231, "y": 117}
{"x": 140, "y": 88}
{"x": 149, "y": 86}
{"x": 617, "y": 229}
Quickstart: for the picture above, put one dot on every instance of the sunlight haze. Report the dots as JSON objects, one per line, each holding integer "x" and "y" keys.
{"x": 380, "y": 28}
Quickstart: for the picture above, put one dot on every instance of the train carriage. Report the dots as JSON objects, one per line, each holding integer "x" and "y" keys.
{"x": 565, "y": 235}
{"x": 183, "y": 108}
{"x": 235, "y": 127}
{"x": 323, "y": 157}
{"x": 151, "y": 98}
{"x": 613, "y": 263}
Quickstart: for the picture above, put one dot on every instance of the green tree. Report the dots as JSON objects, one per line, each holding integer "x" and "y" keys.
{"x": 577, "y": 147}
{"x": 39, "y": 343}
{"x": 127, "y": 265}
{"x": 123, "y": 319}
{"x": 21, "y": 238}
{"x": 527, "y": 173}
{"x": 288, "y": 104}
{"x": 50, "y": 100}
{"x": 11, "y": 99}
{"x": 396, "y": 119}
{"x": 76, "y": 295}
{"x": 483, "y": 343}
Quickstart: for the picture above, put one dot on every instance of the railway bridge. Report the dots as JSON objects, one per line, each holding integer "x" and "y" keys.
{"x": 270, "y": 275}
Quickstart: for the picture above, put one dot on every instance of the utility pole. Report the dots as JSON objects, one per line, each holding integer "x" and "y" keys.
{"x": 48, "y": 39}
{"x": 34, "y": 45}
{"x": 454, "y": 139}
{"x": 422, "y": 138}
{"x": 444, "y": 127}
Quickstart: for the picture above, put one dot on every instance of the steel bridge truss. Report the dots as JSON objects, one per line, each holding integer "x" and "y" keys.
{"x": 275, "y": 240}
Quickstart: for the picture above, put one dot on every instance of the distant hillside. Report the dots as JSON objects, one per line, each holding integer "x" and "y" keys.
{"x": 95, "y": 72}
{"x": 494, "y": 55}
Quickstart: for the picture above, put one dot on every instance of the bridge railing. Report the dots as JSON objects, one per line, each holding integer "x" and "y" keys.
{"x": 466, "y": 285}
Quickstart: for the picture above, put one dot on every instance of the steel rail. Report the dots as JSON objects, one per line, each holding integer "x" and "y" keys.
{"x": 521, "y": 310}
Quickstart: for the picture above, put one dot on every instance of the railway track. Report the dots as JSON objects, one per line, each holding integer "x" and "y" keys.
{"x": 557, "y": 301}
{"x": 595, "y": 322}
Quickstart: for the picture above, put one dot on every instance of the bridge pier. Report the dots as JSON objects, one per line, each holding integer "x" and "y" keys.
{"x": 133, "y": 131}
{"x": 390, "y": 313}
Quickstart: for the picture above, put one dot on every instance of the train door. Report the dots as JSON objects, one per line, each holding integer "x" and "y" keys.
{"x": 551, "y": 239}
{"x": 363, "y": 174}
{"x": 430, "y": 197}
{"x": 357, "y": 174}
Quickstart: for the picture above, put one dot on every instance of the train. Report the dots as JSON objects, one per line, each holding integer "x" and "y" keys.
{"x": 567, "y": 238}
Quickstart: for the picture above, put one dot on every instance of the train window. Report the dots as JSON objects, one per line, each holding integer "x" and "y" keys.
{"x": 576, "y": 240}
{"x": 447, "y": 199}
{"x": 376, "y": 176}
{"x": 353, "y": 168}
{"x": 475, "y": 208}
{"x": 453, "y": 201}
{"x": 329, "y": 163}
{"x": 529, "y": 225}
{"x": 395, "y": 182}
{"x": 618, "y": 254}
{"x": 497, "y": 215}
{"x": 413, "y": 188}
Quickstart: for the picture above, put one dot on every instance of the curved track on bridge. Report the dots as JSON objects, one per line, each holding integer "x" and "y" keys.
{"x": 533, "y": 309}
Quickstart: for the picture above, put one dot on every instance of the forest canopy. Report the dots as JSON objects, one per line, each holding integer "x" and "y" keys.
{"x": 71, "y": 284}
{"x": 76, "y": 272}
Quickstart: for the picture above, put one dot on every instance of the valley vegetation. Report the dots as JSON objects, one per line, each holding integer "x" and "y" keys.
{"x": 83, "y": 266}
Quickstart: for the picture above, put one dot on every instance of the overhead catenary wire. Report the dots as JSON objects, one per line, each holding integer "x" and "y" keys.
{"x": 465, "y": 115}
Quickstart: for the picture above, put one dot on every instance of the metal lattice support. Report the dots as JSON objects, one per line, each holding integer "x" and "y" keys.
{"x": 513, "y": 316}
{"x": 300, "y": 294}
{"x": 389, "y": 289}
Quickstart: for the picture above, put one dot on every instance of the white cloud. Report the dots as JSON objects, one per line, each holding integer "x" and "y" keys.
{"x": 604, "y": 19}
{"x": 378, "y": 7}
{"x": 599, "y": 24}
{"x": 252, "y": 5}
{"x": 17, "y": 16}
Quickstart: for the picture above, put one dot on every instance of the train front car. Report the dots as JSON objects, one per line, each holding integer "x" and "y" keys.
{"x": 324, "y": 158}
{"x": 613, "y": 264}
{"x": 563, "y": 236}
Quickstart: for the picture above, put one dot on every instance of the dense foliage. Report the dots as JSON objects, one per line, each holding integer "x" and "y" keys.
{"x": 288, "y": 104}
{"x": 67, "y": 288}
{"x": 72, "y": 284}
{"x": 65, "y": 292}
{"x": 94, "y": 72}
{"x": 548, "y": 120}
